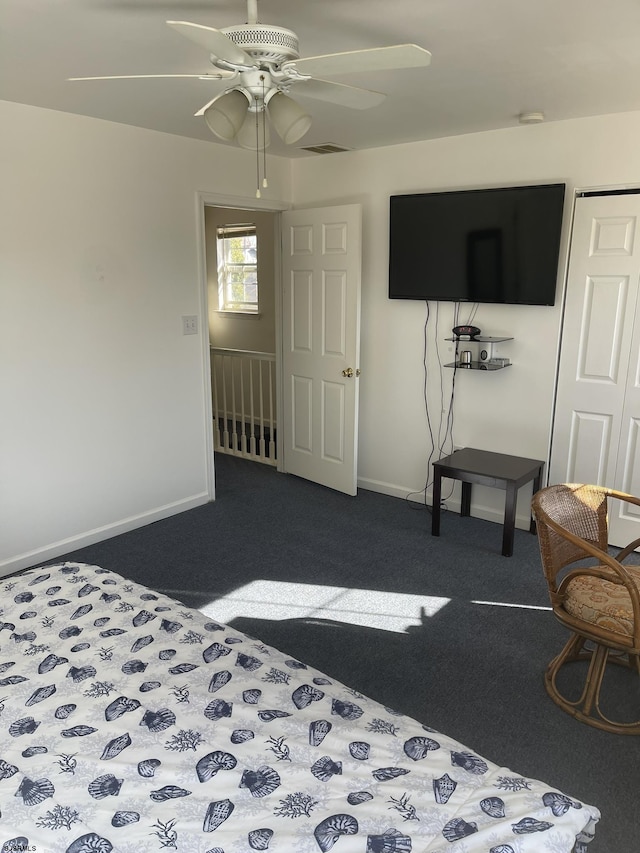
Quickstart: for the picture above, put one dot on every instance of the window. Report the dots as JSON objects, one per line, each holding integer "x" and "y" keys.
{"x": 238, "y": 268}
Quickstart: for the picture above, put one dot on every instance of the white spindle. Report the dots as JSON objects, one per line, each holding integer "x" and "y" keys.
{"x": 272, "y": 441}
{"x": 263, "y": 454}
{"x": 243, "y": 420}
{"x": 234, "y": 423}
{"x": 252, "y": 446}
{"x": 225, "y": 432}
{"x": 216, "y": 404}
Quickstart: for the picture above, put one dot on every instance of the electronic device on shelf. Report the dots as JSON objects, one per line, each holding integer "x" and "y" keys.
{"x": 470, "y": 332}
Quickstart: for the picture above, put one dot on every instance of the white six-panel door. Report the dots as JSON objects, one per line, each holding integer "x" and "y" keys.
{"x": 596, "y": 436}
{"x": 321, "y": 343}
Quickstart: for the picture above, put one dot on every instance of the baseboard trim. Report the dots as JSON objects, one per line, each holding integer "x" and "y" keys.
{"x": 99, "y": 534}
{"x": 477, "y": 511}
{"x": 390, "y": 489}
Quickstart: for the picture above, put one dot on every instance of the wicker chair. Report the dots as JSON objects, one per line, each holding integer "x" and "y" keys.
{"x": 597, "y": 600}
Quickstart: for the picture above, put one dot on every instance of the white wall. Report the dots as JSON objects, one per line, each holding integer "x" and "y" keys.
{"x": 507, "y": 411}
{"x": 103, "y": 398}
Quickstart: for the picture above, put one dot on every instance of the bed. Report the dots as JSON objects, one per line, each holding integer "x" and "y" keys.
{"x": 129, "y": 722}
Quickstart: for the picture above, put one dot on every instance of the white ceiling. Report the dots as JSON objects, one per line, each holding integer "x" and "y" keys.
{"x": 491, "y": 60}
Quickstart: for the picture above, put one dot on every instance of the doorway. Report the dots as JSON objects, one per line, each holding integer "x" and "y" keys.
{"x": 240, "y": 250}
{"x": 330, "y": 241}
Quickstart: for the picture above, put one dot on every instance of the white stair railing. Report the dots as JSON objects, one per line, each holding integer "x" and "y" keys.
{"x": 244, "y": 418}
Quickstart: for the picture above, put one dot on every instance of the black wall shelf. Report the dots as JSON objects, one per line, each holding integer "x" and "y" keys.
{"x": 482, "y": 356}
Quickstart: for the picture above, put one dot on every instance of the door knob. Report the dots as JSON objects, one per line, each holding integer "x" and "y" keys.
{"x": 348, "y": 372}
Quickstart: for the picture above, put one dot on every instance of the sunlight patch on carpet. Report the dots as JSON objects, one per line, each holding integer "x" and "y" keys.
{"x": 263, "y": 599}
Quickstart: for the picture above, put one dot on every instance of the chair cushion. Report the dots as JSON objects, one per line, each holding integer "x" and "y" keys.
{"x": 602, "y": 602}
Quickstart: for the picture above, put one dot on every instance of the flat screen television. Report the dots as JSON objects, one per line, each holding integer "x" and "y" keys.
{"x": 487, "y": 245}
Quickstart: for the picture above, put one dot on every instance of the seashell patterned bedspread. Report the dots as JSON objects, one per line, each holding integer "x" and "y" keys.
{"x": 129, "y": 722}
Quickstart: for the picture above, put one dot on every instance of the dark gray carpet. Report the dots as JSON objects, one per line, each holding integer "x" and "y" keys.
{"x": 473, "y": 671}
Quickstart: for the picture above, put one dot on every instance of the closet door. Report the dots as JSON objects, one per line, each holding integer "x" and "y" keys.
{"x": 596, "y": 435}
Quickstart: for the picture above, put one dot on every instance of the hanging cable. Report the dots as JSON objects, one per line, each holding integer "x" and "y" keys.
{"x": 425, "y": 385}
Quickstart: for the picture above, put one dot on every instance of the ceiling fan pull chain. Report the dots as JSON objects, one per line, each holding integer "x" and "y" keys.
{"x": 264, "y": 136}
{"x": 258, "y": 193}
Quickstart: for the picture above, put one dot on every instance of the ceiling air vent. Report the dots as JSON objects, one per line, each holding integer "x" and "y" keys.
{"x": 324, "y": 148}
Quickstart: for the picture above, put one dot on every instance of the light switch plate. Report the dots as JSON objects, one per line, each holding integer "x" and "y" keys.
{"x": 190, "y": 324}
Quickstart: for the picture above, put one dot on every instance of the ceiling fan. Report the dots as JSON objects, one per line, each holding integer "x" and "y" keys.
{"x": 262, "y": 64}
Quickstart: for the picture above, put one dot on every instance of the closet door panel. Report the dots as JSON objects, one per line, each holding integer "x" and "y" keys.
{"x": 595, "y": 434}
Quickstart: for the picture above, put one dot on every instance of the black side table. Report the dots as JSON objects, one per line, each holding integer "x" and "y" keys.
{"x": 486, "y": 469}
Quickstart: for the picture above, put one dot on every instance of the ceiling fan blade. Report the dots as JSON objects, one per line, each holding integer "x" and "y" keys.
{"x": 218, "y": 75}
{"x": 372, "y": 59}
{"x": 215, "y": 41}
{"x": 338, "y": 93}
{"x": 203, "y": 109}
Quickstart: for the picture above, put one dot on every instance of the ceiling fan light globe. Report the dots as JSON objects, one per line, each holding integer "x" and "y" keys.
{"x": 288, "y": 118}
{"x": 224, "y": 117}
{"x": 248, "y": 137}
